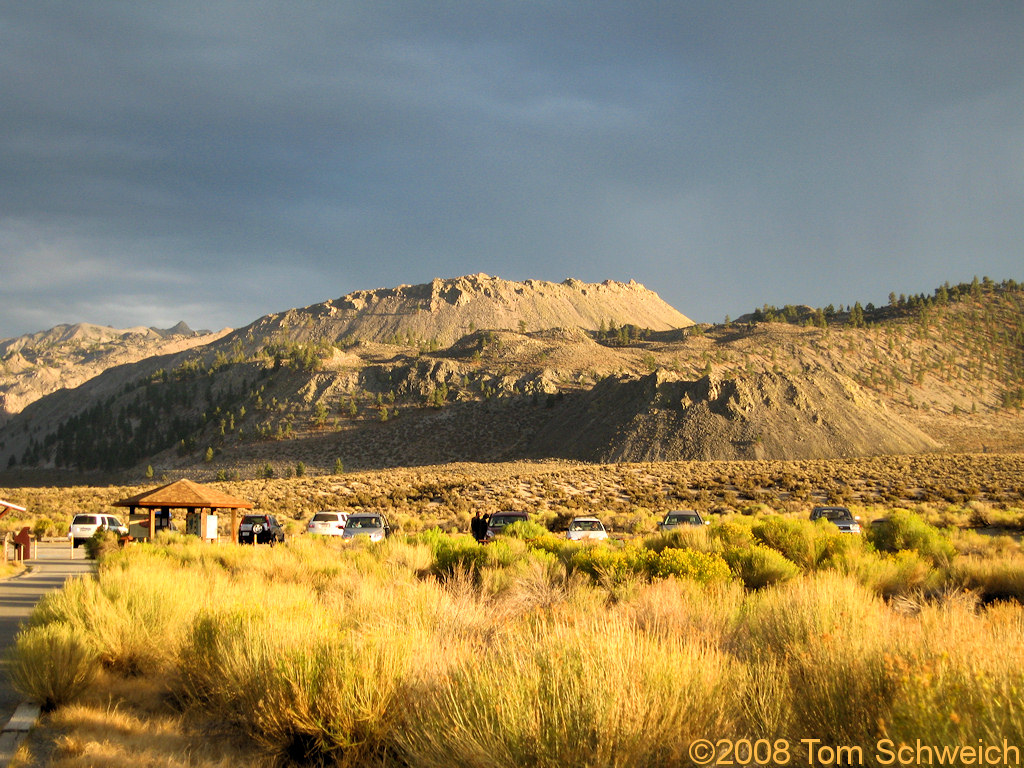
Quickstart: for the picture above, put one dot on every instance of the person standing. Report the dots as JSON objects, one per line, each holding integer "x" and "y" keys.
{"x": 478, "y": 526}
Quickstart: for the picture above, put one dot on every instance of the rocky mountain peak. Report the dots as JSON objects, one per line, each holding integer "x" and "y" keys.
{"x": 446, "y": 309}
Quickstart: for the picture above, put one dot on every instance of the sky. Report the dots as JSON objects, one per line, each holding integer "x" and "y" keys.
{"x": 219, "y": 160}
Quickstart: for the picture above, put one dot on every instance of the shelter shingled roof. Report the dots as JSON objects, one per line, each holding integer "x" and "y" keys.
{"x": 7, "y": 506}
{"x": 185, "y": 493}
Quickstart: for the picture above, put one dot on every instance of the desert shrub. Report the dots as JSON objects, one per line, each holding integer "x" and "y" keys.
{"x": 689, "y": 537}
{"x": 608, "y": 564}
{"x": 406, "y": 554}
{"x": 834, "y": 549}
{"x": 575, "y": 694}
{"x": 456, "y": 553}
{"x": 317, "y": 695}
{"x": 600, "y": 561}
{"x": 840, "y": 680}
{"x": 968, "y": 542}
{"x": 542, "y": 584}
{"x": 811, "y": 545}
{"x": 505, "y": 552}
{"x": 759, "y": 566}
{"x": 905, "y": 530}
{"x": 526, "y": 530}
{"x": 733, "y": 533}
{"x": 101, "y": 544}
{"x": 793, "y": 538}
{"x": 964, "y": 676}
{"x": 691, "y": 564}
{"x": 129, "y": 616}
{"x": 897, "y": 575}
{"x": 52, "y": 664}
{"x": 992, "y": 579}
{"x": 676, "y": 608}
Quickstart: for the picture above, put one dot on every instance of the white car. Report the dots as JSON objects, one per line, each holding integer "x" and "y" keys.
{"x": 582, "y": 528}
{"x": 84, "y": 526}
{"x": 327, "y": 523}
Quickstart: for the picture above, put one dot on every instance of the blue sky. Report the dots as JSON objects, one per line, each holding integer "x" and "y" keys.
{"x": 215, "y": 161}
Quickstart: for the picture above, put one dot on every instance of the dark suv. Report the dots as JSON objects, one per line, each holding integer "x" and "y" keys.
{"x": 260, "y": 529}
{"x": 499, "y": 521}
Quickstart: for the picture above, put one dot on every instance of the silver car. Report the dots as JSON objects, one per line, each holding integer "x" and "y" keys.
{"x": 841, "y": 517}
{"x": 370, "y": 524}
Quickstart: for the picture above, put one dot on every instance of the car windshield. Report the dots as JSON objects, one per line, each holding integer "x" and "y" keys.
{"x": 585, "y": 525}
{"x": 254, "y": 519}
{"x": 85, "y": 520}
{"x": 680, "y": 519}
{"x": 836, "y": 514}
{"x": 363, "y": 522}
{"x": 114, "y": 522}
{"x": 500, "y": 521}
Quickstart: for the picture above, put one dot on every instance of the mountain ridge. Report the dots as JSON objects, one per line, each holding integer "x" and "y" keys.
{"x": 35, "y": 365}
{"x": 303, "y": 387}
{"x": 446, "y": 309}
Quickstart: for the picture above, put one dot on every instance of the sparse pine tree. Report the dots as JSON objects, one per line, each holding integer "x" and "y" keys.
{"x": 857, "y": 316}
{"x": 339, "y": 468}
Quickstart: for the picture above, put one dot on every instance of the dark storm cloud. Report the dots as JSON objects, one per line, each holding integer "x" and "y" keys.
{"x": 216, "y": 161}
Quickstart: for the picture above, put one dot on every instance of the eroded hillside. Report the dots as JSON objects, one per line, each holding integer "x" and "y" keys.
{"x": 942, "y": 375}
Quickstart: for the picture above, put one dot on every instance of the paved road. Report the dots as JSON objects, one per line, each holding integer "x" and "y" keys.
{"x": 52, "y": 566}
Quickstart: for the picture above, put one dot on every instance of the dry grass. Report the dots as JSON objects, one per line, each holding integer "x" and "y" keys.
{"x": 126, "y": 722}
{"x": 361, "y": 656}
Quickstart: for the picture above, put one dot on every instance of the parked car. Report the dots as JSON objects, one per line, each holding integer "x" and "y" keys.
{"x": 586, "y": 528}
{"x": 499, "y": 521}
{"x": 679, "y": 518}
{"x": 371, "y": 524}
{"x": 260, "y": 529}
{"x": 84, "y": 526}
{"x": 840, "y": 516}
{"x": 327, "y": 523}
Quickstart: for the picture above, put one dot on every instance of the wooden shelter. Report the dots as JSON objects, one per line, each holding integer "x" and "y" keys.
{"x": 184, "y": 494}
